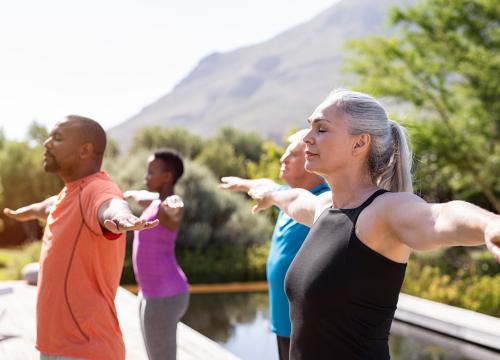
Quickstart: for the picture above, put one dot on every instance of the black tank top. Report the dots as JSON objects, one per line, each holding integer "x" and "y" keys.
{"x": 342, "y": 293}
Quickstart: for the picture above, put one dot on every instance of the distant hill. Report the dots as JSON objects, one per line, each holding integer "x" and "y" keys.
{"x": 268, "y": 87}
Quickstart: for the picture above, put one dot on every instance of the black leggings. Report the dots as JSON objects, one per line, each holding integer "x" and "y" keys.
{"x": 283, "y": 347}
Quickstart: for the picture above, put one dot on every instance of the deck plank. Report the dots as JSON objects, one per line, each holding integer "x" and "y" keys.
{"x": 17, "y": 328}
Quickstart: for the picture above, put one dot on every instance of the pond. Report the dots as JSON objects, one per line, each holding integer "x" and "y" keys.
{"x": 239, "y": 322}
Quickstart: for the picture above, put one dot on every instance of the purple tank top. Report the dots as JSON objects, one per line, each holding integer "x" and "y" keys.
{"x": 153, "y": 257}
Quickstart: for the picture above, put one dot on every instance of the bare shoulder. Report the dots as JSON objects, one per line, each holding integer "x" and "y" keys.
{"x": 395, "y": 202}
{"x": 377, "y": 222}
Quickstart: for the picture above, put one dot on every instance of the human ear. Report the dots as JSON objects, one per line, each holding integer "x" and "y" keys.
{"x": 168, "y": 176}
{"x": 362, "y": 143}
{"x": 86, "y": 150}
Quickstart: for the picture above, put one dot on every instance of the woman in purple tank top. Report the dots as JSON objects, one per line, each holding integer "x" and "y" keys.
{"x": 164, "y": 292}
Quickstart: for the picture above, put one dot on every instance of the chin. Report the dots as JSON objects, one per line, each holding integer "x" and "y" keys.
{"x": 313, "y": 168}
{"x": 310, "y": 166}
{"x": 50, "y": 168}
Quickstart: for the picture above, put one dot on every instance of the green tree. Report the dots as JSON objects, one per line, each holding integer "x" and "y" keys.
{"x": 37, "y": 133}
{"x": 22, "y": 176}
{"x": 2, "y": 137}
{"x": 215, "y": 217}
{"x": 222, "y": 160}
{"x": 112, "y": 149}
{"x": 444, "y": 62}
{"x": 246, "y": 144}
{"x": 269, "y": 163}
{"x": 156, "y": 137}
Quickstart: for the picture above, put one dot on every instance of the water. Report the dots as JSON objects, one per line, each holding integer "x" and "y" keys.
{"x": 240, "y": 323}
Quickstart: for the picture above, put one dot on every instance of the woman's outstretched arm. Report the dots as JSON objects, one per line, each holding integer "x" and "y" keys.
{"x": 425, "y": 226}
{"x": 301, "y": 205}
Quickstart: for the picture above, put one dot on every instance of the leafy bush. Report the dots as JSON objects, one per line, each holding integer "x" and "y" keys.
{"x": 474, "y": 284}
{"x": 216, "y": 217}
{"x": 224, "y": 263}
{"x": 13, "y": 260}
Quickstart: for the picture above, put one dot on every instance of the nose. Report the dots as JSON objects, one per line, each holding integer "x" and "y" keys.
{"x": 308, "y": 137}
{"x": 47, "y": 143}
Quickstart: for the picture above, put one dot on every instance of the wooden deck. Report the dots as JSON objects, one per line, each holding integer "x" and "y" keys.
{"x": 17, "y": 328}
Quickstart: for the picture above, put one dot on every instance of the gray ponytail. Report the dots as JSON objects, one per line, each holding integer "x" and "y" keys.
{"x": 396, "y": 175}
{"x": 390, "y": 159}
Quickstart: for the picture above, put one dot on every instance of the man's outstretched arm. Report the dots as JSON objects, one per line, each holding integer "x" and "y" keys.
{"x": 115, "y": 215}
{"x": 36, "y": 211}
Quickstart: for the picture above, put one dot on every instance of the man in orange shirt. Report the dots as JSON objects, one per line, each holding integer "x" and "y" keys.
{"x": 83, "y": 247}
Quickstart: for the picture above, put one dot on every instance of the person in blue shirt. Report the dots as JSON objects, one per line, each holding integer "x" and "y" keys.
{"x": 288, "y": 235}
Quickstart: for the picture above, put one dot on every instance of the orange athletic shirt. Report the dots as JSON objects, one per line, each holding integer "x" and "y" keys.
{"x": 79, "y": 274}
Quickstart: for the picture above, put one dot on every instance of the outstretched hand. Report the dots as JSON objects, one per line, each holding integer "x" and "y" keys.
{"x": 492, "y": 238}
{"x": 233, "y": 183}
{"x": 128, "y": 222}
{"x": 21, "y": 214}
{"x": 262, "y": 197}
{"x": 172, "y": 205}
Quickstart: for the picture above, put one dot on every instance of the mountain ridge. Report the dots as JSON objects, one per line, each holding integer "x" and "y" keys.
{"x": 267, "y": 87}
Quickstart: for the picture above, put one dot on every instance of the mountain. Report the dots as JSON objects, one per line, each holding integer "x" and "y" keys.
{"x": 268, "y": 87}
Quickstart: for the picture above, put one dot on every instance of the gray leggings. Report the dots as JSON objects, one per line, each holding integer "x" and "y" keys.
{"x": 159, "y": 318}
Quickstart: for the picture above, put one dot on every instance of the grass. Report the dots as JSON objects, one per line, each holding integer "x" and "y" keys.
{"x": 12, "y": 260}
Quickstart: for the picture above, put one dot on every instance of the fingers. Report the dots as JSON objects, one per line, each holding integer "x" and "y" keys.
{"x": 256, "y": 209}
{"x": 173, "y": 202}
{"x": 15, "y": 214}
{"x": 494, "y": 248}
{"x": 492, "y": 238}
{"x": 257, "y": 193}
{"x": 111, "y": 226}
{"x": 129, "y": 224}
{"x": 129, "y": 195}
{"x": 231, "y": 183}
{"x": 8, "y": 211}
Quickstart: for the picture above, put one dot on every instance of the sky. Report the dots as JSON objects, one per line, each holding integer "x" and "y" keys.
{"x": 107, "y": 59}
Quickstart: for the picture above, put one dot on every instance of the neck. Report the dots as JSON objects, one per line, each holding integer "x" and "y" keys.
{"x": 166, "y": 191}
{"x": 307, "y": 183}
{"x": 78, "y": 174}
{"x": 350, "y": 190}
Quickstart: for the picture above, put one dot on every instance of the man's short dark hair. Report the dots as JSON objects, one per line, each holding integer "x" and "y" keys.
{"x": 172, "y": 162}
{"x": 91, "y": 131}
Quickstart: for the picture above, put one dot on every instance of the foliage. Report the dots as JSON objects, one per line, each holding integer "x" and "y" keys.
{"x": 231, "y": 152}
{"x": 269, "y": 163}
{"x": 37, "y": 133}
{"x": 220, "y": 264}
{"x": 13, "y": 260}
{"x": 214, "y": 264}
{"x": 444, "y": 62}
{"x": 216, "y": 217}
{"x": 470, "y": 280}
{"x": 22, "y": 176}
{"x": 156, "y": 137}
{"x": 222, "y": 160}
{"x": 2, "y": 138}
{"x": 112, "y": 149}
{"x": 245, "y": 144}
{"x": 128, "y": 171}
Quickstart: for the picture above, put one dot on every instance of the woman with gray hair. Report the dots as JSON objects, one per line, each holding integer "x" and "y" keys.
{"x": 344, "y": 283}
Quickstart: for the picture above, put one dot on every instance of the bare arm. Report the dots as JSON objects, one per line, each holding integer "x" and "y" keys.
{"x": 171, "y": 212}
{"x": 143, "y": 197}
{"x": 301, "y": 205}
{"x": 115, "y": 216}
{"x": 36, "y": 211}
{"x": 234, "y": 183}
{"x": 425, "y": 226}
